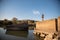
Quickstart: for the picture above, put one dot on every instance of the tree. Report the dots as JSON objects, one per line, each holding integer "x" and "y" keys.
{"x": 5, "y": 22}
{"x": 1, "y": 23}
{"x": 14, "y": 20}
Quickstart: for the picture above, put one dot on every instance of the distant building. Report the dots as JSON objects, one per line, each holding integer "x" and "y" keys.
{"x": 42, "y": 17}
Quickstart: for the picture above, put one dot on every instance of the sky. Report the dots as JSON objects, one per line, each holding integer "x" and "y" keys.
{"x": 29, "y": 9}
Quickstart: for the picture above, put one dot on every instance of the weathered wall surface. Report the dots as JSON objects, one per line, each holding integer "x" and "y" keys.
{"x": 59, "y": 25}
{"x": 46, "y": 26}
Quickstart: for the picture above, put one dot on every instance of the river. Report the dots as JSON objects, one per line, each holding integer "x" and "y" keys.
{"x": 17, "y": 35}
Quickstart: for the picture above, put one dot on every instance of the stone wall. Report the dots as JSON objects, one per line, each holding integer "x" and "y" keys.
{"x": 59, "y": 26}
{"x": 46, "y": 26}
{"x": 51, "y": 26}
{"x": 58, "y": 23}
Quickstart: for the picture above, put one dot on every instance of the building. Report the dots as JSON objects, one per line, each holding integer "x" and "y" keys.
{"x": 48, "y": 27}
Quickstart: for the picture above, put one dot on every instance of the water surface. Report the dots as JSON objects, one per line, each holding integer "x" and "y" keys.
{"x": 17, "y": 35}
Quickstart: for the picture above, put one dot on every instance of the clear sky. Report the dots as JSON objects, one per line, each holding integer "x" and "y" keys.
{"x": 29, "y": 9}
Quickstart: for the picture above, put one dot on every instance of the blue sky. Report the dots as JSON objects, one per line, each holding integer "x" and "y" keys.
{"x": 29, "y": 9}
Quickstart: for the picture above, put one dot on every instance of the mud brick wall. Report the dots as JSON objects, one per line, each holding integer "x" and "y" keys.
{"x": 47, "y": 25}
{"x": 59, "y": 26}
{"x": 58, "y": 23}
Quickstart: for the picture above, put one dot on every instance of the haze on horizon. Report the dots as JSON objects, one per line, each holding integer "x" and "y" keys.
{"x": 29, "y": 9}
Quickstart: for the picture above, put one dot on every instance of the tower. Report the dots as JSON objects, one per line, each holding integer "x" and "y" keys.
{"x": 42, "y": 17}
